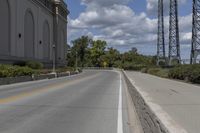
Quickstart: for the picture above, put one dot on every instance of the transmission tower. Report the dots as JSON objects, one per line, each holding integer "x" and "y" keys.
{"x": 174, "y": 44}
{"x": 195, "y": 32}
{"x": 161, "y": 35}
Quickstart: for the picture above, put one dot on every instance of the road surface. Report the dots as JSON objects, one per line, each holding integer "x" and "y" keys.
{"x": 180, "y": 100}
{"x": 92, "y": 102}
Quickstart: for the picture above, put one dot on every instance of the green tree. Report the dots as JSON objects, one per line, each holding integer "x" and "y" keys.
{"x": 111, "y": 57}
{"x": 80, "y": 47}
{"x": 96, "y": 51}
{"x": 94, "y": 54}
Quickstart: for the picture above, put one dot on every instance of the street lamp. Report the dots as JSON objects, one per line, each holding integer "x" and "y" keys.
{"x": 76, "y": 62}
{"x": 54, "y": 58}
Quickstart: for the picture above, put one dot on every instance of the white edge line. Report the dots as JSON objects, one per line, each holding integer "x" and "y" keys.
{"x": 120, "y": 123}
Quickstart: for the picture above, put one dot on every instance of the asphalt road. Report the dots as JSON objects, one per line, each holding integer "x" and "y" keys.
{"x": 181, "y": 101}
{"x": 92, "y": 102}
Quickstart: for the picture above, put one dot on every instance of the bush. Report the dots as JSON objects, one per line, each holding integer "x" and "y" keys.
{"x": 158, "y": 72}
{"x": 65, "y": 69}
{"x": 180, "y": 72}
{"x": 14, "y": 71}
{"x": 34, "y": 64}
{"x": 190, "y": 73}
{"x": 144, "y": 70}
{"x": 132, "y": 66}
{"x": 22, "y": 71}
{"x": 195, "y": 76}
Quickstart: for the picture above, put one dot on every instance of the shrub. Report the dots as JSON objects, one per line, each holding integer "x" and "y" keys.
{"x": 14, "y": 71}
{"x": 132, "y": 66}
{"x": 144, "y": 70}
{"x": 34, "y": 64}
{"x": 159, "y": 72}
{"x": 180, "y": 72}
{"x": 65, "y": 69}
{"x": 183, "y": 72}
{"x": 195, "y": 76}
{"x": 22, "y": 71}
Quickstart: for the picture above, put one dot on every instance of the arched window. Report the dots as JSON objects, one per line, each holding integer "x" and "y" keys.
{"x": 29, "y": 34}
{"x": 4, "y": 27}
{"x": 46, "y": 40}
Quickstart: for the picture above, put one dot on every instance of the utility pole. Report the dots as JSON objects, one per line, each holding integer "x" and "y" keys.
{"x": 76, "y": 62}
{"x": 174, "y": 44}
{"x": 195, "y": 50}
{"x": 161, "y": 34}
{"x": 54, "y": 58}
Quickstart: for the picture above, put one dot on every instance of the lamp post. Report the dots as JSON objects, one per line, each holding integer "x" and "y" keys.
{"x": 76, "y": 62}
{"x": 54, "y": 58}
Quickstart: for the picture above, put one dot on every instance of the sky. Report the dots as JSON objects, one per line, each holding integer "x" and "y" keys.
{"x": 127, "y": 23}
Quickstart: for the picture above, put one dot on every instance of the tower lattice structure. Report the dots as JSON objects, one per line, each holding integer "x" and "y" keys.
{"x": 195, "y": 51}
{"x": 161, "y": 34}
{"x": 174, "y": 43}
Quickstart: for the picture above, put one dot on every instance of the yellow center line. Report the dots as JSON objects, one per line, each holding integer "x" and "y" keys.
{"x": 43, "y": 89}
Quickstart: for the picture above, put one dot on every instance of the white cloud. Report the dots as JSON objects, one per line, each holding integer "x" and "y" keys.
{"x": 104, "y": 3}
{"x": 118, "y": 24}
{"x": 152, "y": 6}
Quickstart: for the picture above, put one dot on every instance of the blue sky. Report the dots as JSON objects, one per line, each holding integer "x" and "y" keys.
{"x": 126, "y": 23}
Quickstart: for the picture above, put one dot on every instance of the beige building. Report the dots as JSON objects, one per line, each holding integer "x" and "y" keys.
{"x": 32, "y": 29}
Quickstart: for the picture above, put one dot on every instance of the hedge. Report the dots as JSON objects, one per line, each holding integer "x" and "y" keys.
{"x": 132, "y": 66}
{"x": 158, "y": 72}
{"x": 34, "y": 64}
{"x": 189, "y": 73}
{"x": 14, "y": 71}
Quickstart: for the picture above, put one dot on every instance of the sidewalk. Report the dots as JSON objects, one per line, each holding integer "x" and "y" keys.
{"x": 181, "y": 101}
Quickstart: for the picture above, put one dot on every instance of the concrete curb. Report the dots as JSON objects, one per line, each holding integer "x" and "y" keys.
{"x": 12, "y": 80}
{"x": 151, "y": 115}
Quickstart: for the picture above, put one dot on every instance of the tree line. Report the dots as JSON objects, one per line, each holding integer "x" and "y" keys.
{"x": 96, "y": 53}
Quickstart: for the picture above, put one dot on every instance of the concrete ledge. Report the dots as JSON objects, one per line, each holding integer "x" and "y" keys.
{"x": 44, "y": 76}
{"x": 63, "y": 74}
{"x": 153, "y": 118}
{"x": 98, "y": 68}
{"x": 12, "y": 80}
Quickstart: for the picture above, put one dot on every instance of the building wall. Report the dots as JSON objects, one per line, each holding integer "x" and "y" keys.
{"x": 5, "y": 28}
{"x": 61, "y": 47}
{"x": 25, "y": 32}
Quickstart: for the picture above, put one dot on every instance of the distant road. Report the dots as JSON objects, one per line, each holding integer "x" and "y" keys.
{"x": 180, "y": 100}
{"x": 87, "y": 103}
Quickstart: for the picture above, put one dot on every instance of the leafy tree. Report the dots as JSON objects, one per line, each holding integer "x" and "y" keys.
{"x": 94, "y": 53}
{"x": 97, "y": 50}
{"x": 111, "y": 56}
{"x": 80, "y": 49}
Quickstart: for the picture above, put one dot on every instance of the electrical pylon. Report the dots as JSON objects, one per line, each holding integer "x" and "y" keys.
{"x": 174, "y": 44}
{"x": 161, "y": 34}
{"x": 195, "y": 51}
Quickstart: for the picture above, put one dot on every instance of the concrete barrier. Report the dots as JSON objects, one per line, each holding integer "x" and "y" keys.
{"x": 153, "y": 118}
{"x": 63, "y": 74}
{"x": 12, "y": 80}
{"x": 98, "y": 68}
{"x": 43, "y": 76}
